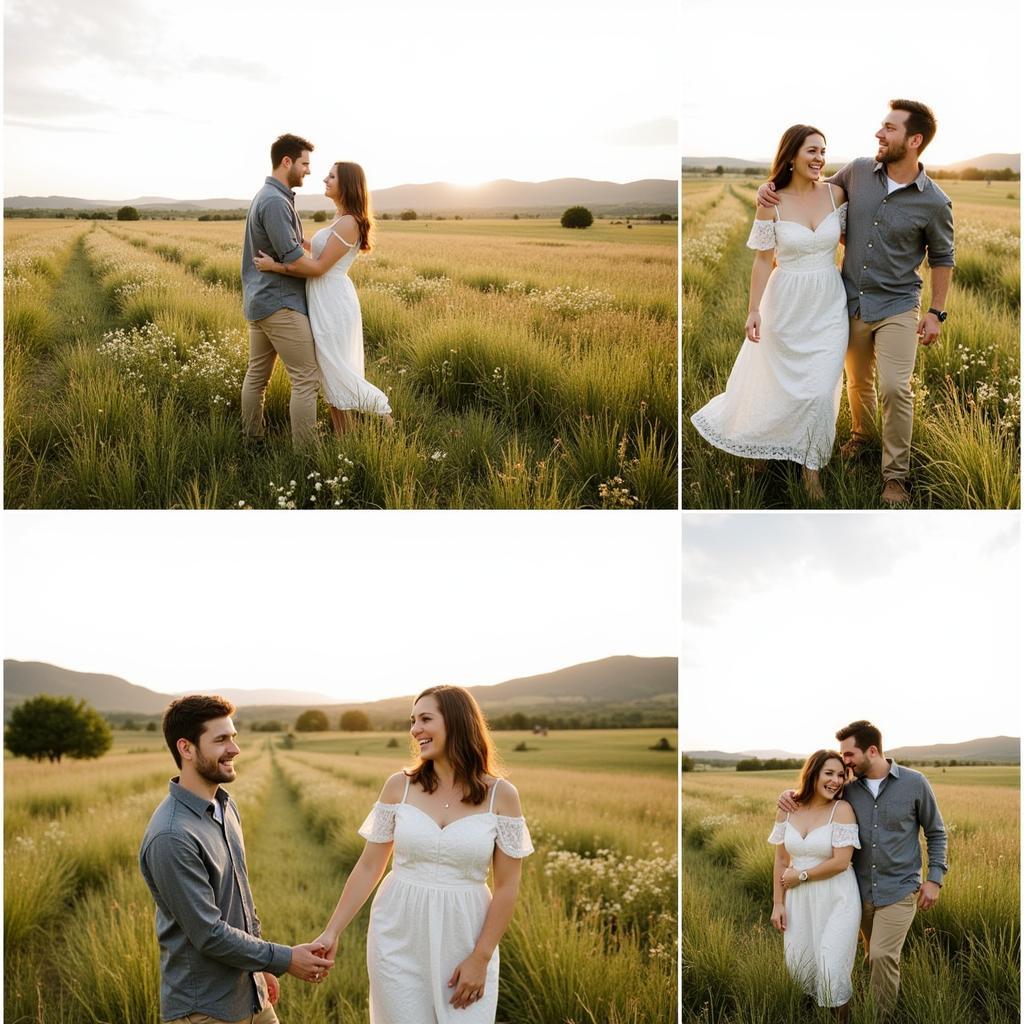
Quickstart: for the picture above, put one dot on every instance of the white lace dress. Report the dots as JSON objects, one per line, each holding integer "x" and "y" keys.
{"x": 782, "y": 397}
{"x": 822, "y": 917}
{"x": 428, "y": 911}
{"x": 337, "y": 325}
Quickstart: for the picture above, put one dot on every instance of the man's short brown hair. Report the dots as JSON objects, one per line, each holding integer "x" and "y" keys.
{"x": 186, "y": 718}
{"x": 864, "y": 735}
{"x": 288, "y": 145}
{"x": 920, "y": 119}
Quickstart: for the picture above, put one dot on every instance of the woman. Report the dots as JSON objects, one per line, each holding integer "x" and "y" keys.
{"x": 782, "y": 397}
{"x": 432, "y": 947}
{"x": 816, "y": 897}
{"x": 334, "y": 314}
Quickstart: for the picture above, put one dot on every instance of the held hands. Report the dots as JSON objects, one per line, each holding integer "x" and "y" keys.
{"x": 766, "y": 195}
{"x": 790, "y": 879}
{"x": 264, "y": 262}
{"x": 326, "y": 944}
{"x": 754, "y": 326}
{"x": 928, "y": 329}
{"x": 468, "y": 980}
{"x": 928, "y": 896}
{"x": 779, "y": 917}
{"x": 308, "y": 964}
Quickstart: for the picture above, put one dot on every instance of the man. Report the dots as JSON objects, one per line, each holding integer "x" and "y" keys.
{"x": 212, "y": 959}
{"x": 892, "y": 804}
{"x": 275, "y": 304}
{"x": 896, "y": 216}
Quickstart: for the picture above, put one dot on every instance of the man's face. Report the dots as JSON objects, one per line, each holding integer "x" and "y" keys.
{"x": 298, "y": 170}
{"x": 854, "y": 758}
{"x": 892, "y": 137}
{"x": 215, "y": 754}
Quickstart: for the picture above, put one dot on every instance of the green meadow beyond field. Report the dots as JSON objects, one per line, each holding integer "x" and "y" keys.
{"x": 528, "y": 366}
{"x": 593, "y": 938}
{"x": 962, "y": 958}
{"x": 966, "y": 446}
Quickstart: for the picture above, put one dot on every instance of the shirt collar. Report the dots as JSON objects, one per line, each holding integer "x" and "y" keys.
{"x": 920, "y": 181}
{"x": 192, "y": 801}
{"x": 271, "y": 180}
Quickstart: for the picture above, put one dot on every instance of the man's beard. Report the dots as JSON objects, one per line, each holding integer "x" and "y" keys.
{"x": 893, "y": 153}
{"x": 209, "y": 769}
{"x": 294, "y": 180}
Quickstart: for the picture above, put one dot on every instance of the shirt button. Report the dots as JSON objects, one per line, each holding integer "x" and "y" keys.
{"x": 876, "y": 223}
{"x": 865, "y": 266}
{"x": 862, "y": 293}
{"x": 869, "y": 245}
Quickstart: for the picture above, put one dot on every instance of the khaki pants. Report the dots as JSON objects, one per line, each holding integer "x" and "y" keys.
{"x": 891, "y": 346}
{"x": 265, "y": 1016}
{"x": 287, "y": 334}
{"x": 884, "y": 930}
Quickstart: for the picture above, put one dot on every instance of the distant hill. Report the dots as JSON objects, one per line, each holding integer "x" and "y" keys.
{"x": 739, "y": 755}
{"x": 1002, "y": 749}
{"x": 988, "y": 162}
{"x": 728, "y": 163}
{"x": 434, "y": 197}
{"x": 609, "y": 686}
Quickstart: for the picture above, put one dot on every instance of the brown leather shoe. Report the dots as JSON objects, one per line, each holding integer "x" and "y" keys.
{"x": 895, "y": 493}
{"x": 853, "y": 449}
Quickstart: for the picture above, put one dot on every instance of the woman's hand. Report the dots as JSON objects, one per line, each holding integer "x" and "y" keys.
{"x": 264, "y": 262}
{"x": 779, "y": 917}
{"x": 468, "y": 980}
{"x": 328, "y": 942}
{"x": 790, "y": 878}
{"x": 754, "y": 326}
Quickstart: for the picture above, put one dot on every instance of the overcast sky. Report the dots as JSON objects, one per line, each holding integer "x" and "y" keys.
{"x": 752, "y": 69}
{"x": 357, "y": 605}
{"x": 795, "y": 624}
{"x": 130, "y": 97}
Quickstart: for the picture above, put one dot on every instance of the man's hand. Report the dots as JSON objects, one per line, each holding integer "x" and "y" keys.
{"x": 308, "y": 964}
{"x": 273, "y": 988}
{"x": 928, "y": 328}
{"x": 928, "y": 896}
{"x": 766, "y": 195}
{"x": 787, "y": 803}
{"x": 468, "y": 981}
{"x": 326, "y": 944}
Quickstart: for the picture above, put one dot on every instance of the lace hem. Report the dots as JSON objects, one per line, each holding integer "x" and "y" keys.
{"x": 842, "y": 217}
{"x": 778, "y": 834}
{"x": 513, "y": 836}
{"x": 845, "y": 835}
{"x": 762, "y": 235}
{"x": 805, "y": 457}
{"x": 379, "y": 826}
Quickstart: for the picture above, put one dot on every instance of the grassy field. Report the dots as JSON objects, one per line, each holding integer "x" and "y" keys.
{"x": 528, "y": 366}
{"x": 962, "y": 958}
{"x": 966, "y": 449}
{"x": 594, "y": 937}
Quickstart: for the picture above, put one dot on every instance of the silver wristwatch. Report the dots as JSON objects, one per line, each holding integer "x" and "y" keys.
{"x": 802, "y": 876}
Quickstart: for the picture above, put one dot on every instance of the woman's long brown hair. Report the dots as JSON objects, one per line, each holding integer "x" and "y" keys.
{"x": 789, "y": 145}
{"x": 355, "y": 197}
{"x": 468, "y": 746}
{"x": 810, "y": 772}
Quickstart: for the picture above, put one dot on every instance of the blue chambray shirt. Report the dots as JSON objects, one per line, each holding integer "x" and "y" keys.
{"x": 888, "y": 863}
{"x": 888, "y": 236}
{"x": 272, "y": 226}
{"x": 211, "y": 953}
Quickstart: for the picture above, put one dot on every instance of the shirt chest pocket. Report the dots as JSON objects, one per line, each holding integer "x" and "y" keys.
{"x": 897, "y": 815}
{"x": 903, "y": 226}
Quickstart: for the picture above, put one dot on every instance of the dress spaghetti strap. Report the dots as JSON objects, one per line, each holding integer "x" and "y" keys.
{"x": 833, "y": 814}
{"x": 494, "y": 789}
{"x": 406, "y": 793}
{"x": 348, "y": 245}
{"x": 831, "y": 194}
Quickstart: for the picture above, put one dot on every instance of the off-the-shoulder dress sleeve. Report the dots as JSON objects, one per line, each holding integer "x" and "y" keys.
{"x": 842, "y": 217}
{"x": 762, "y": 235}
{"x": 778, "y": 834}
{"x": 513, "y": 836}
{"x": 845, "y": 835}
{"x": 379, "y": 826}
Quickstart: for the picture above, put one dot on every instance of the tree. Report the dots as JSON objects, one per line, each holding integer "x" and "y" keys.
{"x": 577, "y": 217}
{"x": 686, "y": 763}
{"x": 320, "y": 216}
{"x": 312, "y": 721}
{"x": 408, "y": 215}
{"x": 128, "y": 213}
{"x": 54, "y": 726}
{"x": 355, "y": 720}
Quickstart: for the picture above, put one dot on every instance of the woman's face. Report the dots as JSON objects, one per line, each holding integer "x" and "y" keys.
{"x": 831, "y": 779}
{"x": 427, "y": 729}
{"x": 331, "y": 189}
{"x": 809, "y": 161}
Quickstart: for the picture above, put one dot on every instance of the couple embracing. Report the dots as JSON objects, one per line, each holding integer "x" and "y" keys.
{"x": 299, "y": 301}
{"x": 806, "y": 320}
{"x": 432, "y": 946}
{"x": 848, "y": 860}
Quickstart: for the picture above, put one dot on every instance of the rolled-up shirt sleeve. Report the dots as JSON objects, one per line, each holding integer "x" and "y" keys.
{"x": 939, "y": 237}
{"x": 934, "y": 829}
{"x": 181, "y": 878}
{"x": 279, "y": 224}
